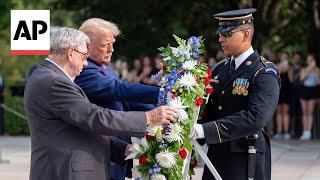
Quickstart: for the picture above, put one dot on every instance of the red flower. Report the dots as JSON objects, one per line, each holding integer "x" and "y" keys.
{"x": 182, "y": 72}
{"x": 173, "y": 96}
{"x": 199, "y": 101}
{"x": 197, "y": 79}
{"x": 209, "y": 90}
{"x": 149, "y": 136}
{"x": 206, "y": 81}
{"x": 209, "y": 73}
{"x": 194, "y": 163}
{"x": 143, "y": 159}
{"x": 183, "y": 153}
{"x": 164, "y": 68}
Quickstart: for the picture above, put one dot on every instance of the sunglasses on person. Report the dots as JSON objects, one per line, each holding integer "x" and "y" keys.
{"x": 229, "y": 34}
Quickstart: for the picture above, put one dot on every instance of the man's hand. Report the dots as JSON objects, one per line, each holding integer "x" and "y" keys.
{"x": 127, "y": 152}
{"x": 161, "y": 115}
{"x": 196, "y": 132}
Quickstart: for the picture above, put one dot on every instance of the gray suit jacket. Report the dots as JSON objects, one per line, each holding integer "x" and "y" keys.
{"x": 67, "y": 131}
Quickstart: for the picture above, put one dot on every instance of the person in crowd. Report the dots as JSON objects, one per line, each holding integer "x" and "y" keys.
{"x": 201, "y": 59}
{"x": 211, "y": 62}
{"x": 310, "y": 78}
{"x": 220, "y": 55}
{"x": 232, "y": 129}
{"x": 124, "y": 71}
{"x": 71, "y": 138}
{"x": 272, "y": 56}
{"x": 283, "y": 116}
{"x": 146, "y": 69}
{"x": 295, "y": 106}
{"x": 155, "y": 70}
{"x": 136, "y": 71}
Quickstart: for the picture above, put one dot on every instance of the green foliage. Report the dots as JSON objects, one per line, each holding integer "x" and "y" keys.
{"x": 13, "y": 124}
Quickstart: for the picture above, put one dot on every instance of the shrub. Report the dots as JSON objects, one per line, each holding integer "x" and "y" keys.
{"x": 13, "y": 124}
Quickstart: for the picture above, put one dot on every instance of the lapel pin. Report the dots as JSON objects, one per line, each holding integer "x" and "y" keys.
{"x": 248, "y": 63}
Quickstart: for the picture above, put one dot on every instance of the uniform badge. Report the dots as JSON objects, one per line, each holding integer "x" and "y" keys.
{"x": 240, "y": 86}
{"x": 269, "y": 69}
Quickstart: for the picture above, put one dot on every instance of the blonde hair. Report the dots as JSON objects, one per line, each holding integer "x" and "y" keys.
{"x": 95, "y": 26}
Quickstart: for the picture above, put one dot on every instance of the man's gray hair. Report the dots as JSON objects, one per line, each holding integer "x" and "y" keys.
{"x": 64, "y": 38}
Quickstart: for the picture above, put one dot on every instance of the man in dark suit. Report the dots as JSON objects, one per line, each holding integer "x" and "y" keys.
{"x": 69, "y": 135}
{"x": 102, "y": 85}
{"x": 246, "y": 93}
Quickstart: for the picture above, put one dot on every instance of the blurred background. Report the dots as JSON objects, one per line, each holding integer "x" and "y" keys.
{"x": 287, "y": 32}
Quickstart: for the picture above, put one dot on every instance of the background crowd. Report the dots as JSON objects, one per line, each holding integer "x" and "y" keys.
{"x": 296, "y": 114}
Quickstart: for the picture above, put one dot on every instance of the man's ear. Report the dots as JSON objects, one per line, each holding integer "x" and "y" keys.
{"x": 246, "y": 36}
{"x": 69, "y": 54}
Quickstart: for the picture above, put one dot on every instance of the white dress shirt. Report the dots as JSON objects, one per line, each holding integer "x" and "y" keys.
{"x": 242, "y": 57}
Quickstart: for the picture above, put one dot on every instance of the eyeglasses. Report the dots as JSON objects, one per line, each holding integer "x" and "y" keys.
{"x": 85, "y": 54}
{"x": 228, "y": 34}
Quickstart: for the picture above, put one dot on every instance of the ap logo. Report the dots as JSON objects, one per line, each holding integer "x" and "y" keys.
{"x": 30, "y": 32}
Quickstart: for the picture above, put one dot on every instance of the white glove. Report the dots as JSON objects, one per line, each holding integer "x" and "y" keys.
{"x": 196, "y": 132}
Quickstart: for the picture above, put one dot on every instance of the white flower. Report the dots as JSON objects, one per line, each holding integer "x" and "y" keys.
{"x": 166, "y": 159}
{"x": 188, "y": 80}
{"x": 158, "y": 177}
{"x": 175, "y": 51}
{"x": 183, "y": 51}
{"x": 152, "y": 129}
{"x": 189, "y": 65}
{"x": 167, "y": 58}
{"x": 182, "y": 115}
{"x": 145, "y": 143}
{"x": 135, "y": 149}
{"x": 135, "y": 173}
{"x": 177, "y": 104}
{"x": 175, "y": 134}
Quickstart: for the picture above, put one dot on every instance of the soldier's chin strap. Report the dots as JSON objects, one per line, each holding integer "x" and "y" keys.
{"x": 252, "y": 154}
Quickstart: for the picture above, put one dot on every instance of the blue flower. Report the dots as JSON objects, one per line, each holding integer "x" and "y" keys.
{"x": 154, "y": 169}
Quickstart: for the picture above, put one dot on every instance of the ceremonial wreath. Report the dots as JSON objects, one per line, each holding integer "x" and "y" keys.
{"x": 162, "y": 153}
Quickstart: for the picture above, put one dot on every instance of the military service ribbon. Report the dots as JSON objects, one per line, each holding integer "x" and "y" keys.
{"x": 240, "y": 86}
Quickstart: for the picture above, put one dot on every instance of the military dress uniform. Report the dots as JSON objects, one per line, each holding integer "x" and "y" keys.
{"x": 242, "y": 104}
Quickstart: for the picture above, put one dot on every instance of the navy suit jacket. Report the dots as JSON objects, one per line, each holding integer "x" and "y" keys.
{"x": 103, "y": 87}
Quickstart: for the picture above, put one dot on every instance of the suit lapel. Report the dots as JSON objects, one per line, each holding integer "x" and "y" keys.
{"x": 244, "y": 67}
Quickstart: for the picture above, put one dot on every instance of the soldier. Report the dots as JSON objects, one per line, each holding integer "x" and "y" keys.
{"x": 246, "y": 93}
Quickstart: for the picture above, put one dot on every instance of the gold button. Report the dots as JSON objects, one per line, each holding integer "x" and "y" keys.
{"x": 222, "y": 92}
{"x": 220, "y": 107}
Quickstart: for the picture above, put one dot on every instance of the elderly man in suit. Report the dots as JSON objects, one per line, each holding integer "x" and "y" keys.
{"x": 102, "y": 85}
{"x": 66, "y": 129}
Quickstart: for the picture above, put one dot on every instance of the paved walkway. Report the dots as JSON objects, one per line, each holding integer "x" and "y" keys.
{"x": 292, "y": 160}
